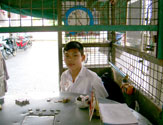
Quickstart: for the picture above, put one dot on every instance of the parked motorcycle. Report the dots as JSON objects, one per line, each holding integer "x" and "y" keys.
{"x": 8, "y": 47}
{"x": 23, "y": 42}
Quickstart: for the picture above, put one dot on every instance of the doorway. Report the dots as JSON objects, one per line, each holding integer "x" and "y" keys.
{"x": 34, "y": 72}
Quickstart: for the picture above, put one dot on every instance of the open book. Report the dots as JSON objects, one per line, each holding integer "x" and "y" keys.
{"x": 117, "y": 114}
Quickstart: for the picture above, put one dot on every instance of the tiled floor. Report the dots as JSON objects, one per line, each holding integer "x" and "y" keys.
{"x": 34, "y": 72}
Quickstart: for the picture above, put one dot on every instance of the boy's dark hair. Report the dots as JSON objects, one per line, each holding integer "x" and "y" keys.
{"x": 74, "y": 45}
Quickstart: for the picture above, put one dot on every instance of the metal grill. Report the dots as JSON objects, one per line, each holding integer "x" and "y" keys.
{"x": 104, "y": 12}
{"x": 145, "y": 72}
{"x": 16, "y": 20}
{"x": 129, "y": 23}
{"x": 95, "y": 48}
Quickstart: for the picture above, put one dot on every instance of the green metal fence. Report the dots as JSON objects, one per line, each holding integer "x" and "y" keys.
{"x": 97, "y": 23}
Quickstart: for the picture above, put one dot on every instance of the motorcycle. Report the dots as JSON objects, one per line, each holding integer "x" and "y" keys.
{"x": 8, "y": 47}
{"x": 23, "y": 42}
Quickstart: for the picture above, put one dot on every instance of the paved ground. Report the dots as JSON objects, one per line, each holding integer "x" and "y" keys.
{"x": 34, "y": 72}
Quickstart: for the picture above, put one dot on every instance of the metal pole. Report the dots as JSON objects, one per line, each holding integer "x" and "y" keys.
{"x": 113, "y": 32}
{"x": 59, "y": 38}
{"x": 160, "y": 30}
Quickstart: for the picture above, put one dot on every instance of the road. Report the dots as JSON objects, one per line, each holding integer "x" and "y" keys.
{"x": 34, "y": 72}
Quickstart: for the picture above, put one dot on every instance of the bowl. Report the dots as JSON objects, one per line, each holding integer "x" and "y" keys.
{"x": 82, "y": 103}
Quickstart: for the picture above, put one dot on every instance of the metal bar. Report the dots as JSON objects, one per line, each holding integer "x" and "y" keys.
{"x": 31, "y": 14}
{"x": 160, "y": 30}
{"x": 59, "y": 38}
{"x": 113, "y": 20}
{"x": 117, "y": 69}
{"x": 142, "y": 55}
{"x": 79, "y": 28}
{"x": 42, "y": 12}
{"x": 93, "y": 45}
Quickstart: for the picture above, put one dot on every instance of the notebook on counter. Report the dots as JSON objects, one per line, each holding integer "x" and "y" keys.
{"x": 116, "y": 114}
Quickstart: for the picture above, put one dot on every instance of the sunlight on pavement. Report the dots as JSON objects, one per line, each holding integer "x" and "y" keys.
{"x": 34, "y": 72}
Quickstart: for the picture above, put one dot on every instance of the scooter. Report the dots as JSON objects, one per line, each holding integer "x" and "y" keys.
{"x": 23, "y": 42}
{"x": 8, "y": 48}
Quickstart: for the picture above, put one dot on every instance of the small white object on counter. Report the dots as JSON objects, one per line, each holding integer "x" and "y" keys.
{"x": 82, "y": 101}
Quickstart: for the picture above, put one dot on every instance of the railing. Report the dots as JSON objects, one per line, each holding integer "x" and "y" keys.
{"x": 145, "y": 71}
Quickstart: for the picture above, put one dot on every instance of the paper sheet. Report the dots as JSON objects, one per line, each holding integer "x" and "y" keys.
{"x": 116, "y": 114}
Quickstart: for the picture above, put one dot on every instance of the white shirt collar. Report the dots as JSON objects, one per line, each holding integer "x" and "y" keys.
{"x": 81, "y": 73}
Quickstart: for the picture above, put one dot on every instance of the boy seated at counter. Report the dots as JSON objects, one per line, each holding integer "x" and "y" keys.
{"x": 77, "y": 78}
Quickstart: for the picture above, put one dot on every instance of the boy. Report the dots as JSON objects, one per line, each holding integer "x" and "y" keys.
{"x": 77, "y": 78}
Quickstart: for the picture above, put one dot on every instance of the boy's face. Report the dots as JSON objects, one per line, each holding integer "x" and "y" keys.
{"x": 73, "y": 59}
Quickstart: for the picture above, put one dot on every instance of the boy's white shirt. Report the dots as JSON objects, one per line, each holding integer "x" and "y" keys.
{"x": 84, "y": 82}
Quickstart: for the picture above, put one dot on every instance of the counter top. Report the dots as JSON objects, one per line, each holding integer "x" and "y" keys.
{"x": 50, "y": 111}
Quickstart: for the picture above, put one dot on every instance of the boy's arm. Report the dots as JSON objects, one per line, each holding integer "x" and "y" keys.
{"x": 99, "y": 88}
